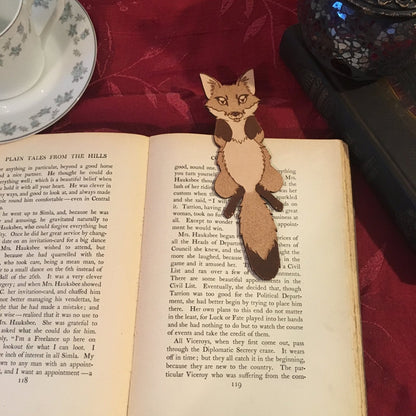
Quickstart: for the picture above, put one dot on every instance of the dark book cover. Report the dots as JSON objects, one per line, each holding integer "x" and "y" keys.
{"x": 376, "y": 119}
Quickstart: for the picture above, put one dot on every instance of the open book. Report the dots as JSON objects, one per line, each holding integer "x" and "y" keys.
{"x": 124, "y": 291}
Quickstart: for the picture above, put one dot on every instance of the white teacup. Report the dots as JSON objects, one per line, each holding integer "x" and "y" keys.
{"x": 21, "y": 48}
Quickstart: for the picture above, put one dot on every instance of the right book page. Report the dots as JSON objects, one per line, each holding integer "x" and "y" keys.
{"x": 213, "y": 339}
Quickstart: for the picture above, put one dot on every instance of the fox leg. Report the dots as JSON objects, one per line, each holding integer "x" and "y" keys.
{"x": 269, "y": 197}
{"x": 225, "y": 186}
{"x": 233, "y": 202}
{"x": 222, "y": 133}
{"x": 271, "y": 179}
{"x": 253, "y": 130}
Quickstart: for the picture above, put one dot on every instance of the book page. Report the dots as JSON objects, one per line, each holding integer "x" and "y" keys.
{"x": 71, "y": 220}
{"x": 211, "y": 338}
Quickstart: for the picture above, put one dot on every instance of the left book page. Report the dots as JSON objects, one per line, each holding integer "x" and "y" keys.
{"x": 71, "y": 213}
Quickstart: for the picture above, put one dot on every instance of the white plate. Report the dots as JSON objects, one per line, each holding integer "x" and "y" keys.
{"x": 71, "y": 52}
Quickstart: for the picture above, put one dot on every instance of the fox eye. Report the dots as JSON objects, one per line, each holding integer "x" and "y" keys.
{"x": 222, "y": 100}
{"x": 242, "y": 99}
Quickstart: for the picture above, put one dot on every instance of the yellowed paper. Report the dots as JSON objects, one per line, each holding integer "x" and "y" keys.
{"x": 210, "y": 337}
{"x": 213, "y": 339}
{"x": 71, "y": 222}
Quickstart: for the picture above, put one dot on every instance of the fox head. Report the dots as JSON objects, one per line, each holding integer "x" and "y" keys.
{"x": 233, "y": 102}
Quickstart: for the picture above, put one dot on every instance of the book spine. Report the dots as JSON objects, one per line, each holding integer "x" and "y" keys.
{"x": 373, "y": 160}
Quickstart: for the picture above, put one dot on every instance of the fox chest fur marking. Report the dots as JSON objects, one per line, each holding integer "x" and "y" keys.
{"x": 238, "y": 156}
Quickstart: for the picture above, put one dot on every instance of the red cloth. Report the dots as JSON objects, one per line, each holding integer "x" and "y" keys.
{"x": 150, "y": 54}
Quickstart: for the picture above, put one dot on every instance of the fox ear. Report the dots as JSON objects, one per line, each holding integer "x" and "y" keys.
{"x": 248, "y": 80}
{"x": 209, "y": 84}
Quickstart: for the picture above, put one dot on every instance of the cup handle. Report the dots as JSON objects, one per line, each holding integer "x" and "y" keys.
{"x": 56, "y": 14}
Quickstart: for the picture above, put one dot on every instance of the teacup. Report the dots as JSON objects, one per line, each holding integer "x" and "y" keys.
{"x": 22, "y": 54}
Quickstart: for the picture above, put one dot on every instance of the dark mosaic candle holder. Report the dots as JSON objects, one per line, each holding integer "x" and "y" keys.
{"x": 360, "y": 39}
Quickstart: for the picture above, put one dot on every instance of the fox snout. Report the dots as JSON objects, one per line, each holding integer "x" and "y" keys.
{"x": 235, "y": 115}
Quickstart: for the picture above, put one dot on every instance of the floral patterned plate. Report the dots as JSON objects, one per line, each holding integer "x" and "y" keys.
{"x": 71, "y": 52}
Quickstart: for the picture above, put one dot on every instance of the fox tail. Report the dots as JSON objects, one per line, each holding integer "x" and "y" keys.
{"x": 259, "y": 234}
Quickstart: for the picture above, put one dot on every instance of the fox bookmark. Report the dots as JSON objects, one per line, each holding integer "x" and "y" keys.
{"x": 246, "y": 177}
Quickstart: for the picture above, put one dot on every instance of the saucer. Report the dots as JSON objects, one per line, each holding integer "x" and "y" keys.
{"x": 70, "y": 56}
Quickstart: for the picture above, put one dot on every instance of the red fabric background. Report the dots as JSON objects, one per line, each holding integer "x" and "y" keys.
{"x": 150, "y": 54}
